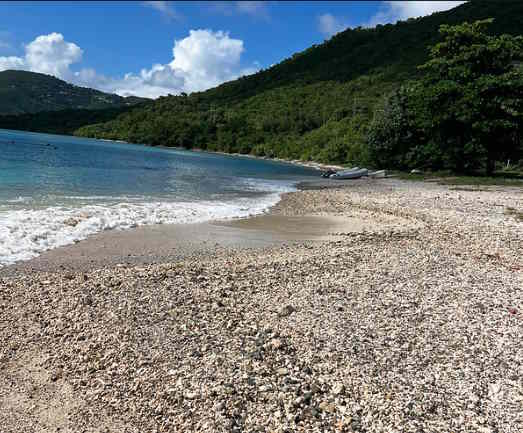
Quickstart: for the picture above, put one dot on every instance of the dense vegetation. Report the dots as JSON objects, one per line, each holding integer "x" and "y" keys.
{"x": 30, "y": 92}
{"x": 325, "y": 103}
{"x": 64, "y": 122}
{"x": 465, "y": 113}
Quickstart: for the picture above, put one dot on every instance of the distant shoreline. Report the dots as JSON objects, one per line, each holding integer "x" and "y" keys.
{"x": 298, "y": 162}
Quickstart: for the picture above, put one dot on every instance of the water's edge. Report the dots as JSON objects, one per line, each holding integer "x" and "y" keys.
{"x": 32, "y": 232}
{"x": 52, "y": 199}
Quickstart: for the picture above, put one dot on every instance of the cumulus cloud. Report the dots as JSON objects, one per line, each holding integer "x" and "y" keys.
{"x": 393, "y": 11}
{"x": 201, "y": 60}
{"x": 205, "y": 58}
{"x": 329, "y": 25}
{"x": 51, "y": 54}
{"x": 11, "y": 62}
{"x": 48, "y": 54}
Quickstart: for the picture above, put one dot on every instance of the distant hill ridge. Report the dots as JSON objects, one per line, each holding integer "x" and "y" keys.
{"x": 30, "y": 92}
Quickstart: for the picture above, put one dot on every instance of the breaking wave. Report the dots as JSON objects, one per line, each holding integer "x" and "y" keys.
{"x": 26, "y": 233}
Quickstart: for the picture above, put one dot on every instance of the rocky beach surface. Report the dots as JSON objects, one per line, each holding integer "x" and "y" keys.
{"x": 412, "y": 325}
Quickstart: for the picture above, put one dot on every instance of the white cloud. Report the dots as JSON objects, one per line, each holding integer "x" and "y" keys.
{"x": 165, "y": 7}
{"x": 329, "y": 25}
{"x": 201, "y": 60}
{"x": 11, "y": 62}
{"x": 48, "y": 54}
{"x": 205, "y": 58}
{"x": 51, "y": 54}
{"x": 393, "y": 11}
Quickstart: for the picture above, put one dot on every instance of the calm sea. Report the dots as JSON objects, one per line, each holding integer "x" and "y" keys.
{"x": 55, "y": 190}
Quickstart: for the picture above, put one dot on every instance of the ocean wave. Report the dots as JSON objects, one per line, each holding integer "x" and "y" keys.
{"x": 102, "y": 197}
{"x": 24, "y": 234}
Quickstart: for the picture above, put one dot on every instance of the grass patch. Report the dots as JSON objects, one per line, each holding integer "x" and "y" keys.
{"x": 482, "y": 180}
{"x": 448, "y": 178}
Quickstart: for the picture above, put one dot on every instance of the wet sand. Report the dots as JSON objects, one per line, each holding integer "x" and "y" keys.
{"x": 174, "y": 242}
{"x": 286, "y": 223}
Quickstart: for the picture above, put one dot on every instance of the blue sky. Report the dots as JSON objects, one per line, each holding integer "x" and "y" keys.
{"x": 154, "y": 48}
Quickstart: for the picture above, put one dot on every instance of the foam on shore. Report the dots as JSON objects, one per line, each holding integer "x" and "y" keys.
{"x": 26, "y": 233}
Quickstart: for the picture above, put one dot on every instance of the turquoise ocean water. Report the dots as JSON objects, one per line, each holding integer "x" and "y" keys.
{"x": 55, "y": 190}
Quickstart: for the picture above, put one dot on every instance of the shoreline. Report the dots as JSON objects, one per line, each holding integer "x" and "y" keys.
{"x": 363, "y": 330}
{"x": 156, "y": 242}
{"x": 308, "y": 164}
{"x": 298, "y": 162}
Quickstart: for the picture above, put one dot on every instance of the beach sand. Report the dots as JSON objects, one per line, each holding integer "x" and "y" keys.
{"x": 286, "y": 223}
{"x": 375, "y": 306}
{"x": 158, "y": 243}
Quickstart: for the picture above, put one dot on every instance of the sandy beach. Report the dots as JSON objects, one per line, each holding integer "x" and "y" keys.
{"x": 363, "y": 306}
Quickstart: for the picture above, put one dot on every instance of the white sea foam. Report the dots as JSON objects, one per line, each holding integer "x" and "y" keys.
{"x": 19, "y": 199}
{"x": 277, "y": 186}
{"x": 25, "y": 234}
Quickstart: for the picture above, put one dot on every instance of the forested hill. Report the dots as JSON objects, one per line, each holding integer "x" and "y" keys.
{"x": 31, "y": 92}
{"x": 316, "y": 105}
{"x": 356, "y": 52}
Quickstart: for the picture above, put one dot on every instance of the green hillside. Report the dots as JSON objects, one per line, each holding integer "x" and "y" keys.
{"x": 64, "y": 122}
{"x": 30, "y": 92}
{"x": 315, "y": 105}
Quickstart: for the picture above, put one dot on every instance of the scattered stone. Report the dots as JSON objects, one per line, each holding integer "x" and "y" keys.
{"x": 276, "y": 344}
{"x": 325, "y": 406}
{"x": 287, "y": 310}
{"x": 414, "y": 328}
{"x": 338, "y": 388}
{"x": 73, "y": 222}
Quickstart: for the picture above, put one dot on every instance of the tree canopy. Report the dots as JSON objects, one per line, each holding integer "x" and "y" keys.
{"x": 465, "y": 113}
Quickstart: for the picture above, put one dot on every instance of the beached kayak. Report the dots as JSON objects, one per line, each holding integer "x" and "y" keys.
{"x": 350, "y": 174}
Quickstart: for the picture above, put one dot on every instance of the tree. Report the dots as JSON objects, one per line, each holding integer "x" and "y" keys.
{"x": 474, "y": 94}
{"x": 390, "y": 133}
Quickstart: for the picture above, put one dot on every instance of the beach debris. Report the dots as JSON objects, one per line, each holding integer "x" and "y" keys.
{"x": 287, "y": 310}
